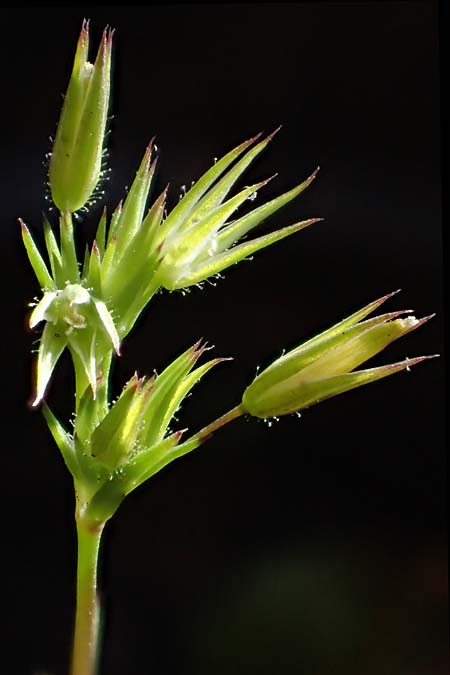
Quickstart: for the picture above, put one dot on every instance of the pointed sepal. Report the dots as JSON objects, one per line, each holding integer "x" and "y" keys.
{"x": 36, "y": 260}
{"x": 322, "y": 367}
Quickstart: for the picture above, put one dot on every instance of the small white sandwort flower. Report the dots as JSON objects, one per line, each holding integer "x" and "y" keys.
{"x": 75, "y": 319}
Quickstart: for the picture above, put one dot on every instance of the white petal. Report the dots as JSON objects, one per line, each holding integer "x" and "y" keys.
{"x": 38, "y": 313}
{"x": 108, "y": 324}
{"x": 50, "y": 349}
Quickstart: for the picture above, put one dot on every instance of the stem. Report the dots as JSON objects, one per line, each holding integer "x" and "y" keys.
{"x": 210, "y": 428}
{"x": 87, "y": 621}
{"x": 68, "y": 249}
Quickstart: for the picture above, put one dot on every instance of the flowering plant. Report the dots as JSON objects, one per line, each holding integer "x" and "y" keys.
{"x": 89, "y": 307}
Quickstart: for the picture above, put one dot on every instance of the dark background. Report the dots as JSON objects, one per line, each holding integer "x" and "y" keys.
{"x": 316, "y": 546}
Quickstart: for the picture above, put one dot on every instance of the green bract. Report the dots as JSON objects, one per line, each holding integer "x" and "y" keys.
{"x": 76, "y": 159}
{"x": 321, "y": 367}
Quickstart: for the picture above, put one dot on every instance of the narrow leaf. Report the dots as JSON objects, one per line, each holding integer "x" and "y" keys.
{"x": 35, "y": 258}
{"x": 51, "y": 346}
{"x": 63, "y": 440}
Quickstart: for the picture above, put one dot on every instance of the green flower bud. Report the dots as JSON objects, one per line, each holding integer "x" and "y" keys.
{"x": 75, "y": 163}
{"x": 321, "y": 367}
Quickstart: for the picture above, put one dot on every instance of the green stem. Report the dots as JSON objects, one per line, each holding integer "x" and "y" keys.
{"x": 68, "y": 249}
{"x": 207, "y": 431}
{"x": 87, "y": 621}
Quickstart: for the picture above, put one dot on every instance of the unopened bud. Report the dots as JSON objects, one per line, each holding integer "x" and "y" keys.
{"x": 76, "y": 158}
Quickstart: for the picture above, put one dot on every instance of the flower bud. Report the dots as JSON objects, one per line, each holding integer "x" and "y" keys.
{"x": 76, "y": 158}
{"x": 321, "y": 367}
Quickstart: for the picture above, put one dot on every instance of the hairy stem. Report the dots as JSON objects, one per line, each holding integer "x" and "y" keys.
{"x": 87, "y": 620}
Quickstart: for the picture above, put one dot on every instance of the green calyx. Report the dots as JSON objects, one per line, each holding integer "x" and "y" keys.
{"x": 76, "y": 159}
{"x": 198, "y": 240}
{"x": 322, "y": 367}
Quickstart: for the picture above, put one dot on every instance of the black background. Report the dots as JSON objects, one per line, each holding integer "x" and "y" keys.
{"x": 317, "y": 545}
